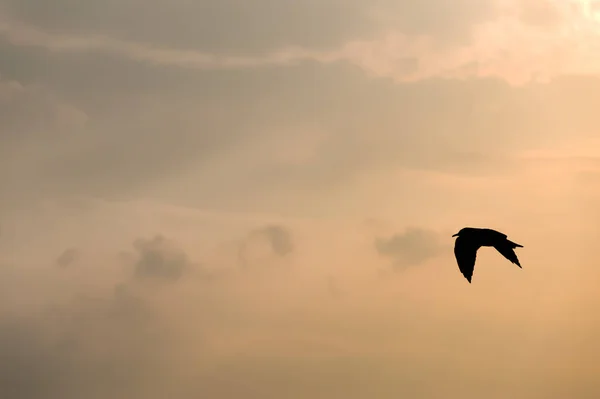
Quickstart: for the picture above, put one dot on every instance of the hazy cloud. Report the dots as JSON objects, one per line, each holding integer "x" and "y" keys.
{"x": 279, "y": 237}
{"x": 68, "y": 257}
{"x": 86, "y": 347}
{"x": 412, "y": 247}
{"x": 35, "y": 127}
{"x": 234, "y": 26}
{"x": 261, "y": 244}
{"x": 239, "y": 134}
{"x": 32, "y": 114}
{"x": 102, "y": 334}
{"x": 23, "y": 35}
{"x": 489, "y": 47}
{"x": 159, "y": 259}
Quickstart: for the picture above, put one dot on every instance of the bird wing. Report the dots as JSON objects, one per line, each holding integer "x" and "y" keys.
{"x": 508, "y": 252}
{"x": 465, "y": 251}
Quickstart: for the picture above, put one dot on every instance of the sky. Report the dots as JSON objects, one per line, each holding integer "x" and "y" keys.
{"x": 226, "y": 198}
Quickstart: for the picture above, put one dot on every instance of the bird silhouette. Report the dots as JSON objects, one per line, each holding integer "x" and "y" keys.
{"x": 470, "y": 239}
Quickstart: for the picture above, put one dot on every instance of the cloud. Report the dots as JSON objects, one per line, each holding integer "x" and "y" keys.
{"x": 85, "y": 347}
{"x": 279, "y": 237}
{"x": 232, "y": 26}
{"x": 265, "y": 244}
{"x": 247, "y": 137}
{"x": 92, "y": 334}
{"x": 66, "y": 151}
{"x": 31, "y": 114}
{"x": 413, "y": 247}
{"x": 23, "y": 35}
{"x": 159, "y": 259}
{"x": 285, "y": 142}
{"x": 28, "y": 110}
{"x": 103, "y": 334}
{"x": 35, "y": 127}
{"x": 496, "y": 47}
{"x": 68, "y": 257}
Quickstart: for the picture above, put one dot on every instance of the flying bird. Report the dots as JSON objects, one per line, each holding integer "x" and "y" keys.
{"x": 470, "y": 239}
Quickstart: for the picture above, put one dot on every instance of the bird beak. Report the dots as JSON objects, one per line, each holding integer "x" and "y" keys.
{"x": 455, "y": 235}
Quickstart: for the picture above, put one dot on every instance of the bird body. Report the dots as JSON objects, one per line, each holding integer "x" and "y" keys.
{"x": 470, "y": 239}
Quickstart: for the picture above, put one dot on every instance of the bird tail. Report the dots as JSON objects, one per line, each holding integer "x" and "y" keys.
{"x": 506, "y": 248}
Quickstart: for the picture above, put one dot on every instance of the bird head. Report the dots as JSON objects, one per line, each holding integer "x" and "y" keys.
{"x": 461, "y": 231}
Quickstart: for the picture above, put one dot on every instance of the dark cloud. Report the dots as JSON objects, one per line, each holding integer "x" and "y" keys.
{"x": 238, "y": 26}
{"x": 279, "y": 237}
{"x": 412, "y": 247}
{"x": 68, "y": 257}
{"x": 144, "y": 124}
{"x": 159, "y": 259}
{"x": 263, "y": 243}
{"x": 108, "y": 339}
{"x": 95, "y": 148}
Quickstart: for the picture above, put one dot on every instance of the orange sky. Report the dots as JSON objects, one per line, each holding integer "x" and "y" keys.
{"x": 193, "y": 193}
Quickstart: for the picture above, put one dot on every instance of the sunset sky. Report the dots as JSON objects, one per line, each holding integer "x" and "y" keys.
{"x": 255, "y": 199}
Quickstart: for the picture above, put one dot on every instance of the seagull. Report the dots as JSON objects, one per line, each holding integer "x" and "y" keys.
{"x": 470, "y": 239}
